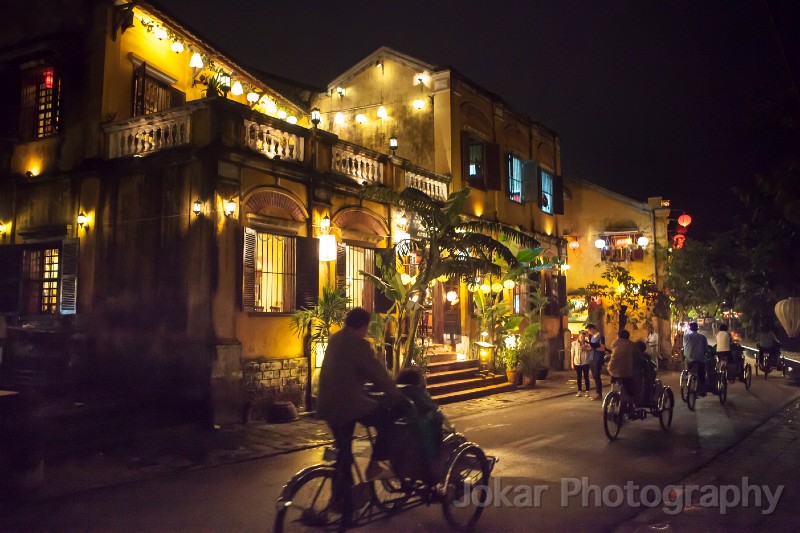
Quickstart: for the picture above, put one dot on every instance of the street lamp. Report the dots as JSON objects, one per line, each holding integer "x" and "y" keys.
{"x": 393, "y": 144}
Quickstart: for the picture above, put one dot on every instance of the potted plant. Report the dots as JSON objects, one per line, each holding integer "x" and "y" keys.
{"x": 318, "y": 322}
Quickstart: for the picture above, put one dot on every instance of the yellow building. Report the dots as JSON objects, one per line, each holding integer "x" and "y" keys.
{"x": 435, "y": 119}
{"x": 602, "y": 226}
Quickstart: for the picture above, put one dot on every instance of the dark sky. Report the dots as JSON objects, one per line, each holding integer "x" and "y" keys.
{"x": 649, "y": 97}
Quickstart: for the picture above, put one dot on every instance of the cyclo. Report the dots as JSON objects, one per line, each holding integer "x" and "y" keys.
{"x": 736, "y": 369}
{"x": 457, "y": 477}
{"x": 651, "y": 395}
{"x": 716, "y": 377}
{"x": 770, "y": 359}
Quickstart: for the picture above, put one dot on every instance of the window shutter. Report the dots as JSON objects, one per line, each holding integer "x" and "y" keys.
{"x": 10, "y": 274}
{"x": 558, "y": 195}
{"x": 464, "y": 159}
{"x": 341, "y": 267}
{"x": 176, "y": 97}
{"x": 382, "y": 303}
{"x": 249, "y": 270}
{"x": 369, "y": 287}
{"x": 493, "y": 170}
{"x": 539, "y": 188}
{"x": 530, "y": 187}
{"x": 562, "y": 291}
{"x": 68, "y": 299}
{"x": 307, "y": 279}
{"x": 139, "y": 81}
{"x": 10, "y": 108}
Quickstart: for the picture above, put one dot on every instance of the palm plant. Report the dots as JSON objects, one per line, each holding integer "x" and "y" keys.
{"x": 450, "y": 246}
{"x": 318, "y": 321}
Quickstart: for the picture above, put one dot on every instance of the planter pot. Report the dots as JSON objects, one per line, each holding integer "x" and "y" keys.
{"x": 542, "y": 373}
{"x": 528, "y": 381}
{"x": 512, "y": 375}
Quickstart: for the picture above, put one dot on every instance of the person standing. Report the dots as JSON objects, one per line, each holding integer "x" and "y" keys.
{"x": 580, "y": 361}
{"x": 694, "y": 351}
{"x": 652, "y": 344}
{"x": 598, "y": 346}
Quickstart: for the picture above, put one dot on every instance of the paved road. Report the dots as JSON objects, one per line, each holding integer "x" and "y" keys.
{"x": 544, "y": 444}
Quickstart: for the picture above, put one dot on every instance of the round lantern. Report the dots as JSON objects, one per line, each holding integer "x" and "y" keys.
{"x": 574, "y": 245}
{"x": 788, "y": 312}
{"x": 684, "y": 220}
{"x": 600, "y": 243}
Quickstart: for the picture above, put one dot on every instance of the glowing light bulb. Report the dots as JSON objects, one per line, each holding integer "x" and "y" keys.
{"x": 252, "y": 97}
{"x": 177, "y": 47}
{"x": 282, "y": 114}
{"x": 270, "y": 106}
{"x": 361, "y": 118}
{"x": 291, "y": 119}
{"x": 419, "y": 103}
{"x": 382, "y": 112}
{"x": 237, "y": 89}
{"x": 339, "y": 118}
{"x": 196, "y": 61}
{"x": 160, "y": 33}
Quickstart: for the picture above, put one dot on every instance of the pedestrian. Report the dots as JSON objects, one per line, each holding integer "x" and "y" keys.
{"x": 694, "y": 351}
{"x": 652, "y": 344}
{"x": 621, "y": 365}
{"x": 580, "y": 362}
{"x": 597, "y": 342}
{"x": 350, "y": 364}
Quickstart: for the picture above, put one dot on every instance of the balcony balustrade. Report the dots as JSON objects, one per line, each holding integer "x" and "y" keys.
{"x": 355, "y": 162}
{"x": 150, "y": 133}
{"x": 434, "y": 185}
{"x": 272, "y": 141}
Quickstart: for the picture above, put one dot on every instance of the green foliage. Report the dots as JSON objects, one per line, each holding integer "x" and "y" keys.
{"x": 449, "y": 245}
{"x": 318, "y": 321}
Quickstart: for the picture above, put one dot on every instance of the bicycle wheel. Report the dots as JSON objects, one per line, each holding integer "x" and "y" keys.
{"x": 748, "y": 376}
{"x": 466, "y": 487}
{"x": 691, "y": 392}
{"x": 305, "y": 504}
{"x": 684, "y": 384}
{"x": 722, "y": 390}
{"x": 612, "y": 414}
{"x": 666, "y": 406}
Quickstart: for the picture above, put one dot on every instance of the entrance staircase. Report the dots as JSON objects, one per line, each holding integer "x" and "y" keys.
{"x": 452, "y": 380}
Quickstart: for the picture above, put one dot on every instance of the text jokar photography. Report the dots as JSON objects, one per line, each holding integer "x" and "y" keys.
{"x": 575, "y": 492}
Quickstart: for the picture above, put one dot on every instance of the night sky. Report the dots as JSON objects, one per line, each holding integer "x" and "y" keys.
{"x": 649, "y": 98}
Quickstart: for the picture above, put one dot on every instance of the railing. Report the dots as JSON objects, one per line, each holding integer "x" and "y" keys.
{"x": 273, "y": 142}
{"x": 431, "y": 184}
{"x": 360, "y": 167}
{"x": 150, "y": 133}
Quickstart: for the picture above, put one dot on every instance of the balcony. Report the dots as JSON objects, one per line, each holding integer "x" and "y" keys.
{"x": 359, "y": 163}
{"x": 145, "y": 135}
{"x": 267, "y": 136}
{"x": 432, "y": 184}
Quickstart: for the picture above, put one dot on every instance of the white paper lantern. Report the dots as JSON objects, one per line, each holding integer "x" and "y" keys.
{"x": 788, "y": 312}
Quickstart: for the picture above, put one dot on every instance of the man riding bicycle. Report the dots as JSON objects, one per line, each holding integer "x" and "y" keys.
{"x": 694, "y": 351}
{"x": 622, "y": 363}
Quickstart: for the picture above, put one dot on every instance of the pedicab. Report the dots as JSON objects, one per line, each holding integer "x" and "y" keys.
{"x": 736, "y": 369}
{"x": 651, "y": 396}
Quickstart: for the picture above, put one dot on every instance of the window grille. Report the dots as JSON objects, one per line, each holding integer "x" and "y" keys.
{"x": 41, "y": 281}
{"x": 41, "y": 99}
{"x": 274, "y": 273}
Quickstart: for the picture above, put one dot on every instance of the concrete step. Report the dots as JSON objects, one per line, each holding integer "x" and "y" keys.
{"x": 469, "y": 394}
{"x": 451, "y": 375}
{"x": 464, "y": 384}
{"x": 445, "y": 366}
{"x": 440, "y": 357}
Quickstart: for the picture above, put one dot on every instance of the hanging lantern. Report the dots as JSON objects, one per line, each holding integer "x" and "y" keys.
{"x": 788, "y": 312}
{"x": 642, "y": 241}
{"x": 684, "y": 220}
{"x": 574, "y": 245}
{"x": 452, "y": 296}
{"x": 600, "y": 243}
{"x": 677, "y": 241}
{"x": 509, "y": 284}
{"x": 497, "y": 287}
{"x": 405, "y": 279}
{"x": 486, "y": 288}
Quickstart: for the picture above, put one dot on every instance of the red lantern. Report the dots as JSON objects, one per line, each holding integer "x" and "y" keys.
{"x": 48, "y": 78}
{"x": 684, "y": 220}
{"x": 681, "y": 229}
{"x": 677, "y": 241}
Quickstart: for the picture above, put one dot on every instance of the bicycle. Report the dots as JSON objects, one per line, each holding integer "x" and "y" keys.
{"x": 458, "y": 479}
{"x": 688, "y": 384}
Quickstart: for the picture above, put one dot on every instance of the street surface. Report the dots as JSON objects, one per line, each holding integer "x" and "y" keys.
{"x": 546, "y": 447}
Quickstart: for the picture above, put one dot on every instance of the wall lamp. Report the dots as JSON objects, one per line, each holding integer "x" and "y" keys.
{"x": 230, "y": 207}
{"x": 2, "y": 229}
{"x": 197, "y": 207}
{"x": 393, "y": 144}
{"x": 327, "y": 241}
{"x": 316, "y": 117}
{"x": 82, "y": 220}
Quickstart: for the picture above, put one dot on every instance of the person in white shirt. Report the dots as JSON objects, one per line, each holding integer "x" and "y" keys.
{"x": 652, "y": 344}
{"x": 723, "y": 344}
{"x": 580, "y": 361}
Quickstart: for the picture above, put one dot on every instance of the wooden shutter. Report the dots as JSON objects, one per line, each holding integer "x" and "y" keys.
{"x": 493, "y": 171}
{"x": 249, "y": 269}
{"x": 464, "y": 159}
{"x": 307, "y": 279}
{"x": 10, "y": 108}
{"x": 341, "y": 267}
{"x": 562, "y": 291}
{"x": 558, "y": 195}
{"x": 530, "y": 176}
{"x": 68, "y": 299}
{"x": 539, "y": 188}
{"x": 369, "y": 287}
{"x": 382, "y": 303}
{"x": 10, "y": 277}
{"x": 176, "y": 97}
{"x": 139, "y": 81}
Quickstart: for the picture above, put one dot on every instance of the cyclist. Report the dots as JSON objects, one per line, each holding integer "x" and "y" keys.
{"x": 695, "y": 346}
{"x": 621, "y": 365}
{"x": 350, "y": 364}
{"x": 767, "y": 343}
